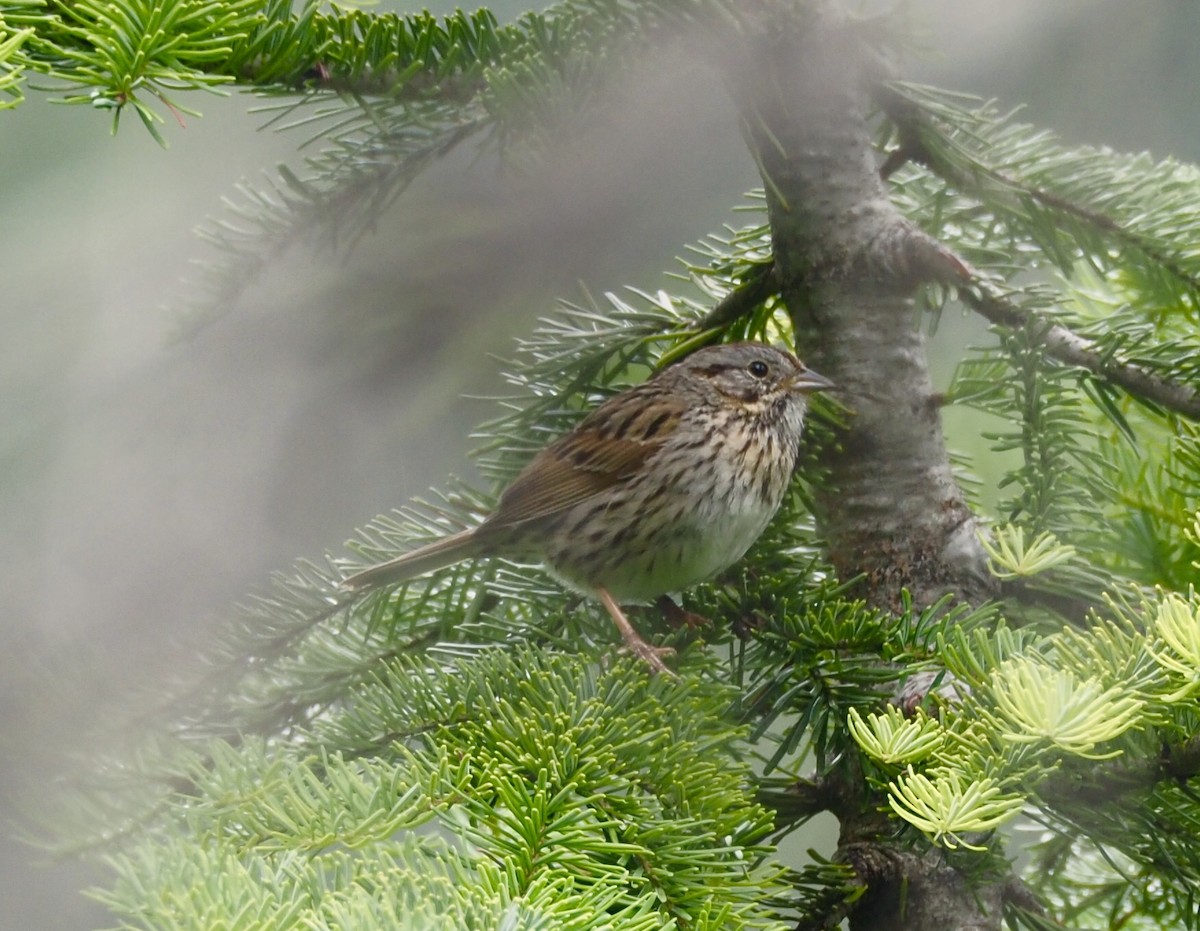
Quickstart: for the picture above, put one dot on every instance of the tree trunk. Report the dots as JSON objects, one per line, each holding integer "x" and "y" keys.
{"x": 848, "y": 266}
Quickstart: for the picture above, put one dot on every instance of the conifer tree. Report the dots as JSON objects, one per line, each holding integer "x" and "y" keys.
{"x": 953, "y": 680}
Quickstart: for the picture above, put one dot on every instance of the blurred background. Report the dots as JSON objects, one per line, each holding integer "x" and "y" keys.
{"x": 148, "y": 480}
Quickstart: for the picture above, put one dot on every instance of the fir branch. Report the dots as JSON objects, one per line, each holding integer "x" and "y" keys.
{"x": 1146, "y": 834}
{"x": 111, "y": 52}
{"x": 828, "y": 892}
{"x": 1084, "y": 196}
{"x": 347, "y": 188}
{"x": 1061, "y": 342}
{"x": 751, "y": 293}
{"x": 1103, "y": 783}
{"x": 386, "y": 94}
{"x": 1070, "y": 348}
{"x": 1154, "y": 495}
{"x": 758, "y": 283}
{"x": 797, "y": 800}
{"x": 13, "y": 61}
{"x": 585, "y": 796}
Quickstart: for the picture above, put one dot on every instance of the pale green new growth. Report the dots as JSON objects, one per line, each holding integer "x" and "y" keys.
{"x": 950, "y": 805}
{"x": 1038, "y": 702}
{"x": 893, "y": 739}
{"x": 1012, "y": 559}
{"x": 1177, "y": 623}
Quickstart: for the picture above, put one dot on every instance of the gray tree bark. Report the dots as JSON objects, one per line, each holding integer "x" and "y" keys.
{"x": 848, "y": 266}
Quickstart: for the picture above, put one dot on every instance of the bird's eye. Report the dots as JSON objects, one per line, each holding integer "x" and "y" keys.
{"x": 758, "y": 368}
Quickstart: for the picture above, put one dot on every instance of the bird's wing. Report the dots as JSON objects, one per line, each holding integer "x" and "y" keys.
{"x": 606, "y": 449}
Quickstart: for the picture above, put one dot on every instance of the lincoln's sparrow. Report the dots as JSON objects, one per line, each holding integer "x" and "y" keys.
{"x": 660, "y": 487}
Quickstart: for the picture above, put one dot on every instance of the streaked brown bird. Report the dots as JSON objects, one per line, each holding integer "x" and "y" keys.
{"x": 660, "y": 487}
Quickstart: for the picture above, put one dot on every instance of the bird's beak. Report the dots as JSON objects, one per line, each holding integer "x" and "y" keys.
{"x": 808, "y": 380}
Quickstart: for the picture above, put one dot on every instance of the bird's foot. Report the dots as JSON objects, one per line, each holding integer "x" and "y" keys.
{"x": 650, "y": 655}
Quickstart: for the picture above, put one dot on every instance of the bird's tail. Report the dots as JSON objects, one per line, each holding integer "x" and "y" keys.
{"x": 440, "y": 553}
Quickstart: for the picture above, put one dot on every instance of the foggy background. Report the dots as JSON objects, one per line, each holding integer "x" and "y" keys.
{"x": 148, "y": 481}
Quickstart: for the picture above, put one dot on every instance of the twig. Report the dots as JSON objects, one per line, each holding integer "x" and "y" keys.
{"x": 935, "y": 262}
{"x": 930, "y": 260}
{"x": 801, "y": 799}
{"x": 941, "y": 265}
{"x": 1069, "y": 347}
{"x": 762, "y": 284}
{"x": 912, "y": 123}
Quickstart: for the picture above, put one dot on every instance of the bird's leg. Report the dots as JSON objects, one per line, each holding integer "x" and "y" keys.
{"x": 651, "y": 656}
{"x": 676, "y": 616}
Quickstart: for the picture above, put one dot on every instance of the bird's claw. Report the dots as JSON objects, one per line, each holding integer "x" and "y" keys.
{"x": 652, "y": 656}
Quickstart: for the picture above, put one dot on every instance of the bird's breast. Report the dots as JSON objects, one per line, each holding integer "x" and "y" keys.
{"x": 694, "y": 510}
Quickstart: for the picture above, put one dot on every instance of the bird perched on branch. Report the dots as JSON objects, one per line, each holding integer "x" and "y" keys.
{"x": 662, "y": 486}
